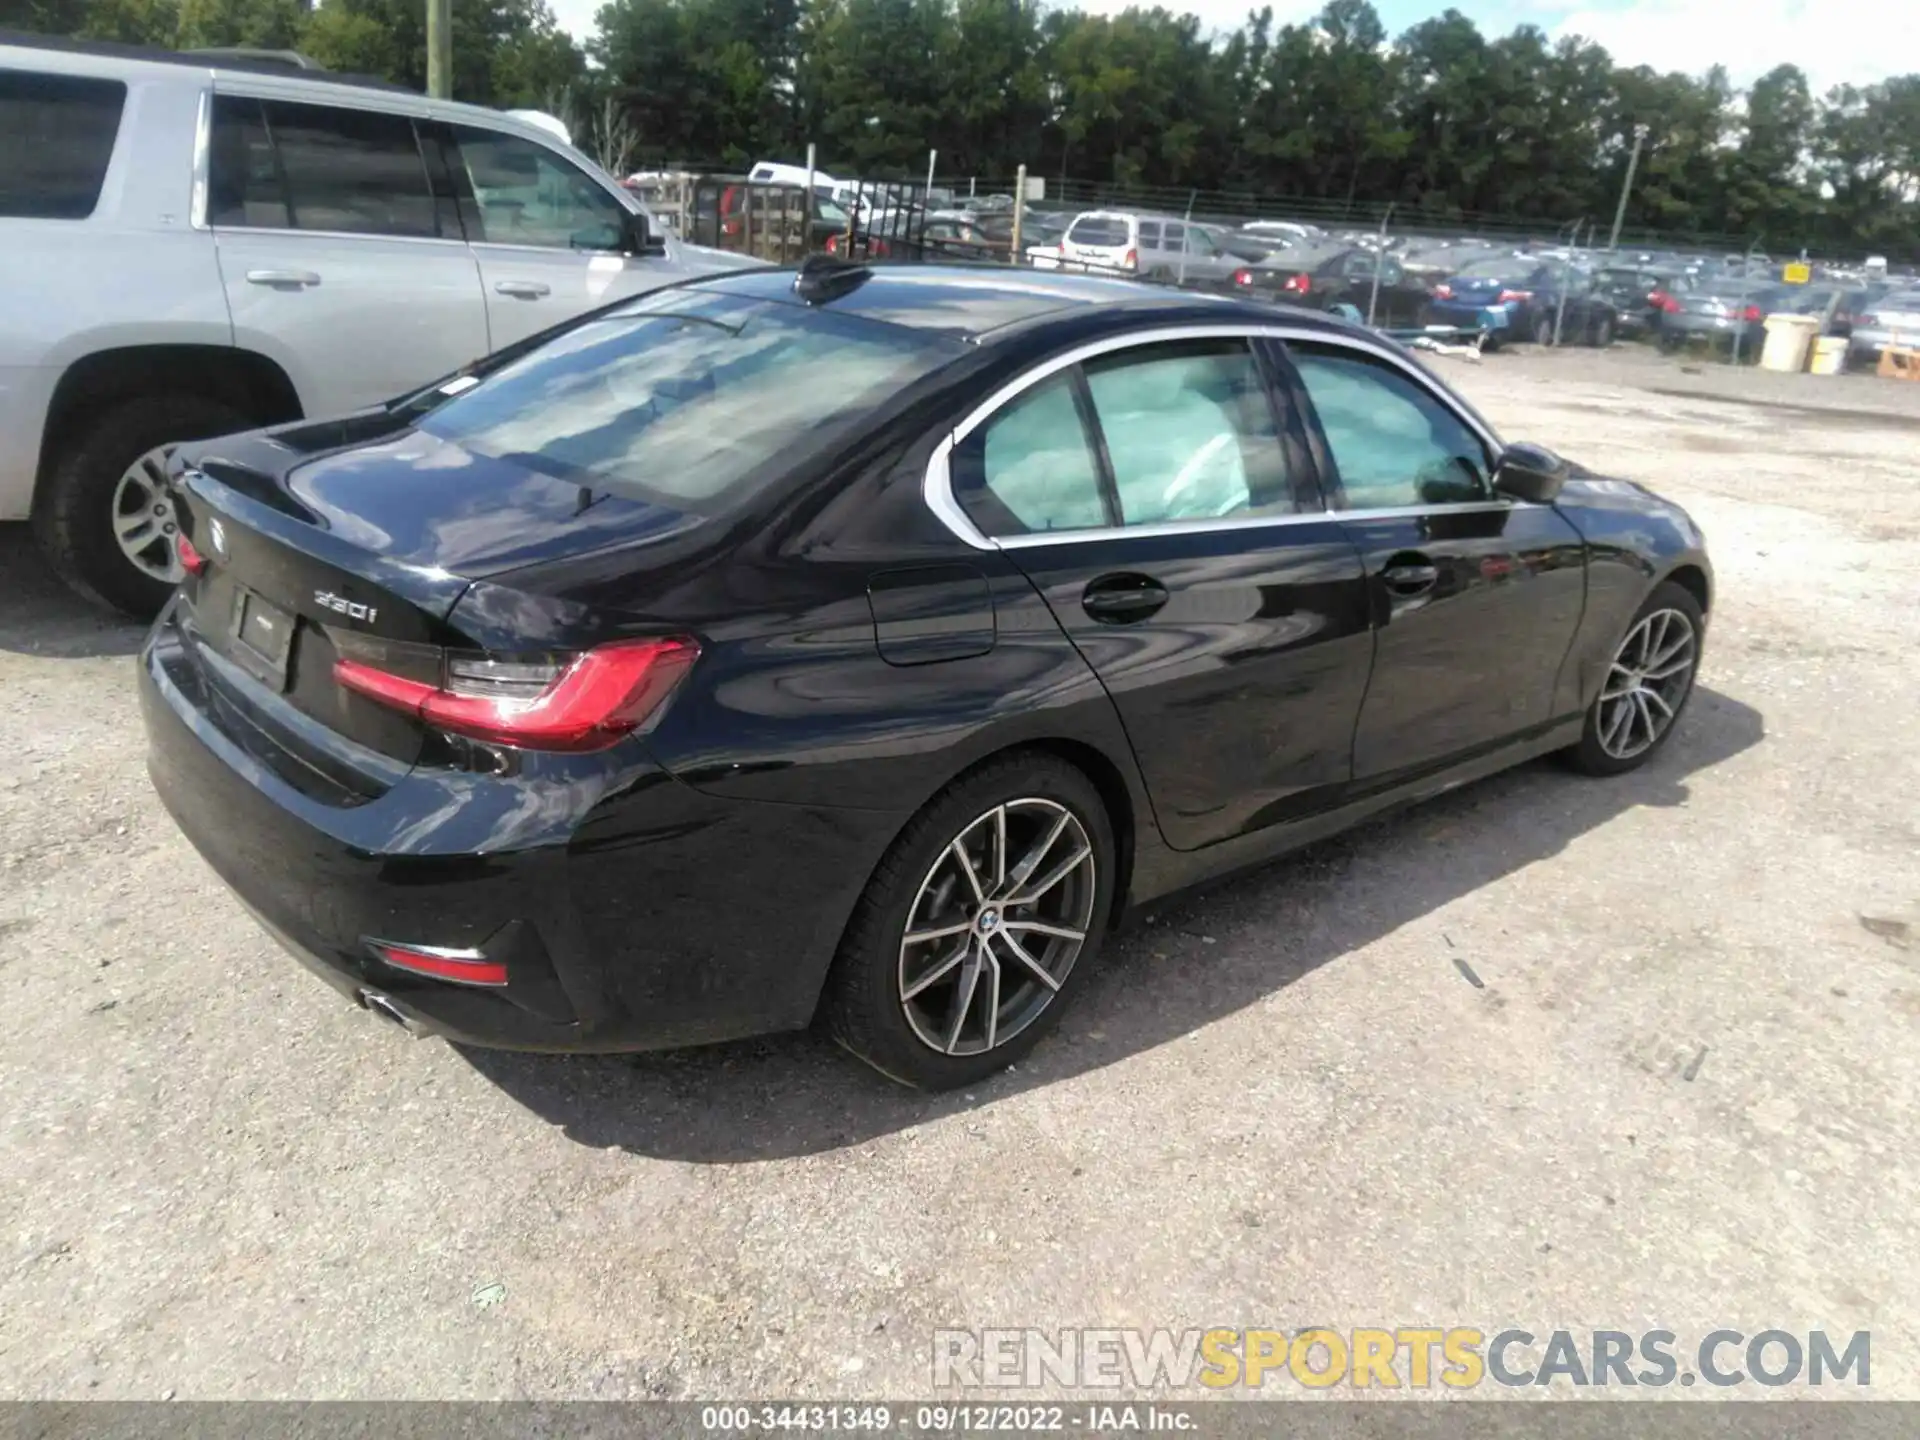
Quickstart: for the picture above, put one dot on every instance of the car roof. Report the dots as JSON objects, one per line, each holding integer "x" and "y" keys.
{"x": 987, "y": 303}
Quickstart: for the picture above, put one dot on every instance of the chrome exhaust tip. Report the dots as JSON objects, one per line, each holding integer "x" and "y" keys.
{"x": 383, "y": 1007}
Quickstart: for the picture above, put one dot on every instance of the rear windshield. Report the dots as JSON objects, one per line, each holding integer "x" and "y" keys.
{"x": 1098, "y": 230}
{"x": 691, "y": 399}
{"x": 59, "y": 132}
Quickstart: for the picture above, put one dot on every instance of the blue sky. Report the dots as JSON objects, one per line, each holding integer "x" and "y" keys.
{"x": 1857, "y": 41}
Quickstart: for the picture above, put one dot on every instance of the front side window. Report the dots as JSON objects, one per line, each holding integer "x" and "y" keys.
{"x": 689, "y": 399}
{"x": 1189, "y": 432}
{"x": 59, "y": 132}
{"x": 526, "y": 195}
{"x": 1393, "y": 442}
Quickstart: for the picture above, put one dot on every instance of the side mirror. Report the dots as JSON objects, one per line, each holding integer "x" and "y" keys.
{"x": 1529, "y": 472}
{"x": 641, "y": 240}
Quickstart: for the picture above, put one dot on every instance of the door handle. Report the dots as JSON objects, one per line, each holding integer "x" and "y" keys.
{"x": 1410, "y": 575}
{"x": 522, "y": 289}
{"x": 1123, "y": 599}
{"x": 298, "y": 279}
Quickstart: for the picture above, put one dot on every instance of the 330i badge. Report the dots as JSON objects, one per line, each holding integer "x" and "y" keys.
{"x": 863, "y": 642}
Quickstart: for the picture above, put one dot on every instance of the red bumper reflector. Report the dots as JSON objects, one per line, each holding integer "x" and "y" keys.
{"x": 462, "y": 967}
{"x": 191, "y": 560}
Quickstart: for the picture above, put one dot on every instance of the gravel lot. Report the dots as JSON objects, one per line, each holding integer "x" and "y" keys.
{"x": 1682, "y": 1097}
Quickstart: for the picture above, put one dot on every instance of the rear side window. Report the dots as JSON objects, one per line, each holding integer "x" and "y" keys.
{"x": 693, "y": 400}
{"x": 58, "y": 137}
{"x": 1150, "y": 234}
{"x": 1030, "y": 468}
{"x": 282, "y": 165}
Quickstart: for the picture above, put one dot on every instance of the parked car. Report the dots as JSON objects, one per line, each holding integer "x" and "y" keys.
{"x": 196, "y": 247}
{"x": 958, "y": 237}
{"x": 621, "y": 696}
{"x": 1521, "y": 296}
{"x": 1150, "y": 247}
{"x": 1720, "y": 310}
{"x": 1893, "y": 319}
{"x": 1335, "y": 275}
{"x": 1641, "y": 295}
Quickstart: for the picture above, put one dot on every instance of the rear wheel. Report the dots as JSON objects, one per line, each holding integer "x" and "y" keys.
{"x": 967, "y": 945}
{"x": 1647, "y": 685}
{"x": 1602, "y": 332}
{"x": 1543, "y": 330}
{"x": 103, "y": 516}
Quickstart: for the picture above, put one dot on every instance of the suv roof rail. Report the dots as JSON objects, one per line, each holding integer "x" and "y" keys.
{"x": 257, "y": 62}
{"x": 290, "y": 59}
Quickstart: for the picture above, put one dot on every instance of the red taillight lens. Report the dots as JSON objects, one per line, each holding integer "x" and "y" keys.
{"x": 1507, "y": 297}
{"x": 191, "y": 560}
{"x": 462, "y": 967}
{"x": 833, "y": 244}
{"x": 1298, "y": 284}
{"x": 1750, "y": 314}
{"x": 586, "y": 705}
{"x": 1243, "y": 277}
{"x": 1130, "y": 260}
{"x": 1443, "y": 291}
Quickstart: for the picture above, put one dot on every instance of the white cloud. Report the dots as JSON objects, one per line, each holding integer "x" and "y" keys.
{"x": 576, "y": 16}
{"x": 1834, "y": 41}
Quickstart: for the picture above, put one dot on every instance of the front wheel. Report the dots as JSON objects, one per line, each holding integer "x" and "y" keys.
{"x": 1543, "y": 330}
{"x": 1603, "y": 332}
{"x": 1647, "y": 685}
{"x": 967, "y": 944}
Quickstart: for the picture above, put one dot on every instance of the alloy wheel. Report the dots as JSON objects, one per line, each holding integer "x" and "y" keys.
{"x": 144, "y": 522}
{"x": 996, "y": 926}
{"x": 1646, "y": 683}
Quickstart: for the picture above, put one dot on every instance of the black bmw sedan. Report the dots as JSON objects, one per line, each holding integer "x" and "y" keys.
{"x": 864, "y": 643}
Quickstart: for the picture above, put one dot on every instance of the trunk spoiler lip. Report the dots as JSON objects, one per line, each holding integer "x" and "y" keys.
{"x": 430, "y": 589}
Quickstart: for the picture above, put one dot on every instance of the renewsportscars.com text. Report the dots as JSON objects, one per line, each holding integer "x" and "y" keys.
{"x": 1411, "y": 1357}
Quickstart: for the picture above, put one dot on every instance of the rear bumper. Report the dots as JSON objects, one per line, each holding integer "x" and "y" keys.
{"x": 1495, "y": 318}
{"x": 632, "y": 912}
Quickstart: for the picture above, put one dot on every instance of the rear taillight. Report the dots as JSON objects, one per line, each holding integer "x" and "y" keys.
{"x": 1750, "y": 314}
{"x": 1507, "y": 297}
{"x": 462, "y": 967}
{"x": 586, "y": 703}
{"x": 1243, "y": 277}
{"x": 1298, "y": 284}
{"x": 1443, "y": 291}
{"x": 833, "y": 244}
{"x": 191, "y": 560}
{"x": 1130, "y": 260}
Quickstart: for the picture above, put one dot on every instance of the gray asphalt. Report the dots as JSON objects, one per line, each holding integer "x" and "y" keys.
{"x": 1681, "y": 1094}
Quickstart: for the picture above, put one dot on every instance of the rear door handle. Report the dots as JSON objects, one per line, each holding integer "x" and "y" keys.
{"x": 1123, "y": 599}
{"x": 296, "y": 279}
{"x": 1409, "y": 575}
{"x": 522, "y": 289}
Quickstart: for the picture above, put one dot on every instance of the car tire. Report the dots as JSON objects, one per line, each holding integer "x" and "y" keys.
{"x": 1543, "y": 330}
{"x": 892, "y": 1002}
{"x": 1620, "y": 734}
{"x": 1672, "y": 344}
{"x": 1602, "y": 335}
{"x": 81, "y": 495}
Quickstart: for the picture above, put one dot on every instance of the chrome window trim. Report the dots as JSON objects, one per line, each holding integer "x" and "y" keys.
{"x": 202, "y": 161}
{"x": 937, "y": 485}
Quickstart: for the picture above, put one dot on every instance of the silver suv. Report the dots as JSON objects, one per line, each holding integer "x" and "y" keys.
{"x": 198, "y": 246}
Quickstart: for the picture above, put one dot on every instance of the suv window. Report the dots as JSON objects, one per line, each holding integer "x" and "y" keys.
{"x": 59, "y": 133}
{"x": 1392, "y": 441}
{"x": 280, "y": 164}
{"x": 524, "y": 194}
{"x": 1190, "y": 433}
{"x": 1150, "y": 235}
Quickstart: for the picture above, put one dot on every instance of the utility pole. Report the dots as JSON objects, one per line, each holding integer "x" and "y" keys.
{"x": 1633, "y": 164}
{"x": 440, "y": 49}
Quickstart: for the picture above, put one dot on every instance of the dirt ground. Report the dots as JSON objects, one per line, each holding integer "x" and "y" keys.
{"x": 1682, "y": 1093}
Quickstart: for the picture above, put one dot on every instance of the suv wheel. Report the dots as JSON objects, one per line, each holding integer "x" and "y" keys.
{"x": 103, "y": 516}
